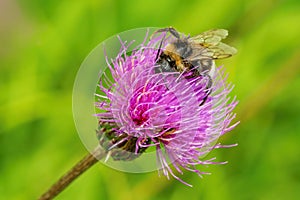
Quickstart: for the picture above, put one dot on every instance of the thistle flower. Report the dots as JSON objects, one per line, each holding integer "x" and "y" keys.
{"x": 142, "y": 108}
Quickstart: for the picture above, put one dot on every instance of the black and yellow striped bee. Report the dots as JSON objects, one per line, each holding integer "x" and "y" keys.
{"x": 195, "y": 55}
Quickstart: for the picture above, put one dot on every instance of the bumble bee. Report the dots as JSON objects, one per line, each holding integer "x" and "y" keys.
{"x": 198, "y": 52}
{"x": 193, "y": 56}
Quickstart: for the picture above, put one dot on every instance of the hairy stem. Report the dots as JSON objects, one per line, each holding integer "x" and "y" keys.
{"x": 84, "y": 164}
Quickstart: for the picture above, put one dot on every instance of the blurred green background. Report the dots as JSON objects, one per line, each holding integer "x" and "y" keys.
{"x": 43, "y": 44}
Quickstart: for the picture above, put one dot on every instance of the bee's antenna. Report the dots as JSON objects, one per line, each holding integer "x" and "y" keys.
{"x": 174, "y": 32}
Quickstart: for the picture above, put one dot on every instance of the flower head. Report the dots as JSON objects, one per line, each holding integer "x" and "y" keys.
{"x": 172, "y": 111}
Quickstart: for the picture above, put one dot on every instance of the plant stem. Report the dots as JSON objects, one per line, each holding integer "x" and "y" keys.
{"x": 84, "y": 164}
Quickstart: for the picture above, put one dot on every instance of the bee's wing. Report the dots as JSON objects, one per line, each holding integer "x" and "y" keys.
{"x": 212, "y": 37}
{"x": 208, "y": 44}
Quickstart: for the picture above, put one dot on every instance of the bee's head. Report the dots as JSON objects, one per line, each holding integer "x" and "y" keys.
{"x": 164, "y": 63}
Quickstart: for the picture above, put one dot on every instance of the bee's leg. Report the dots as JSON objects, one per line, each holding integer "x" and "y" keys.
{"x": 203, "y": 100}
{"x": 209, "y": 83}
{"x": 208, "y": 87}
